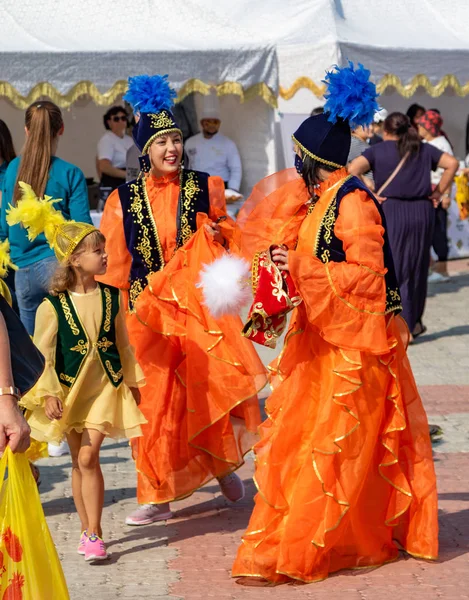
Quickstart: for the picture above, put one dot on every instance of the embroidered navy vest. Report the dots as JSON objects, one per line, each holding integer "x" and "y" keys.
{"x": 73, "y": 344}
{"x": 141, "y": 231}
{"x": 329, "y": 247}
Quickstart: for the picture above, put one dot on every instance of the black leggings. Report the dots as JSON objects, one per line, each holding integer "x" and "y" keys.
{"x": 440, "y": 238}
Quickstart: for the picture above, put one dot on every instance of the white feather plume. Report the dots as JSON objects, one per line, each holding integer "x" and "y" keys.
{"x": 226, "y": 285}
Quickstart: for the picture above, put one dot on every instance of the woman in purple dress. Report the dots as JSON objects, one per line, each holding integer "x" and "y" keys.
{"x": 401, "y": 168}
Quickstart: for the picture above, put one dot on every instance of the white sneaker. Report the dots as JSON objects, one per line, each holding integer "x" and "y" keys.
{"x": 436, "y": 277}
{"x": 59, "y": 450}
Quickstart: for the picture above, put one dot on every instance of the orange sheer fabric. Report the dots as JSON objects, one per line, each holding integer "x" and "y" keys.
{"x": 202, "y": 376}
{"x": 344, "y": 467}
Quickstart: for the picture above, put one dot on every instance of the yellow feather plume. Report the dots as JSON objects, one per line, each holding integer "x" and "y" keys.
{"x": 5, "y": 260}
{"x": 37, "y": 215}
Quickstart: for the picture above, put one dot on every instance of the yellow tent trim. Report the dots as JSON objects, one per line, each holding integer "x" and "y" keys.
{"x": 87, "y": 88}
{"x": 388, "y": 81}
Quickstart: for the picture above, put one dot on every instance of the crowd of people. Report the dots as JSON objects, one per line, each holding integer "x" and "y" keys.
{"x": 133, "y": 350}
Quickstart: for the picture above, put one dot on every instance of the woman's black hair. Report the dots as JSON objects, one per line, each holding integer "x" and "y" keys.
{"x": 114, "y": 110}
{"x": 7, "y": 149}
{"x": 408, "y": 141}
{"x": 412, "y": 112}
{"x": 310, "y": 172}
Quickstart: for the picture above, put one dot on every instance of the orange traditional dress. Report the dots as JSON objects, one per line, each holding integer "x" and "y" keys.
{"x": 344, "y": 469}
{"x": 202, "y": 376}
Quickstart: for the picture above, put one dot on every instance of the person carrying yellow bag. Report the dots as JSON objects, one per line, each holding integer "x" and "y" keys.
{"x": 29, "y": 566}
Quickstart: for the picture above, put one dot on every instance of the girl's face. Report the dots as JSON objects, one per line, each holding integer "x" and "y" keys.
{"x": 91, "y": 261}
{"x": 166, "y": 154}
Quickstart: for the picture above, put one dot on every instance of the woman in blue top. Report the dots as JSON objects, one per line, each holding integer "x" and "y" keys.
{"x": 47, "y": 175}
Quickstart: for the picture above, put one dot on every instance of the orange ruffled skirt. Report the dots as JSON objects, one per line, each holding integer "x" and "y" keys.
{"x": 344, "y": 468}
{"x": 202, "y": 382}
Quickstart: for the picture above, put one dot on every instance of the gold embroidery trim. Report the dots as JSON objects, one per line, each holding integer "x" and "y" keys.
{"x": 171, "y": 129}
{"x": 188, "y": 192}
{"x": 67, "y": 378}
{"x": 81, "y": 347}
{"x": 328, "y": 219}
{"x": 68, "y": 314}
{"x": 108, "y": 302}
{"x": 314, "y": 156}
{"x": 104, "y": 344}
{"x": 116, "y": 377}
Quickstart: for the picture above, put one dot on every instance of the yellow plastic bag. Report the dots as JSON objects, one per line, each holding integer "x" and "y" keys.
{"x": 29, "y": 566}
{"x": 462, "y": 195}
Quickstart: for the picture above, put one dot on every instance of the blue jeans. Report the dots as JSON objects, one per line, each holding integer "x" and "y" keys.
{"x": 32, "y": 286}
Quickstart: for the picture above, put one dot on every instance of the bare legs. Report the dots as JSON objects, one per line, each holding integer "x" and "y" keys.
{"x": 87, "y": 478}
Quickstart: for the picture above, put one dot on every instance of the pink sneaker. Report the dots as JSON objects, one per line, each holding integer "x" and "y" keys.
{"x": 232, "y": 487}
{"x": 95, "y": 549}
{"x": 149, "y": 513}
{"x": 82, "y": 543}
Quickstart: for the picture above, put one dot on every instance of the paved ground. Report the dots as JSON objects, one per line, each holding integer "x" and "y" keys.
{"x": 190, "y": 557}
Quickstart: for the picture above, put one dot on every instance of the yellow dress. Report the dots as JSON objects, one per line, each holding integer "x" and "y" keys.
{"x": 92, "y": 402}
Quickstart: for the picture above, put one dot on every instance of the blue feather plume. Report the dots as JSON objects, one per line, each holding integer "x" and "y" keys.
{"x": 350, "y": 95}
{"x": 149, "y": 94}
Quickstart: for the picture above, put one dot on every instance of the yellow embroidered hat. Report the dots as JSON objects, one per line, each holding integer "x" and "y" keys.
{"x": 38, "y": 215}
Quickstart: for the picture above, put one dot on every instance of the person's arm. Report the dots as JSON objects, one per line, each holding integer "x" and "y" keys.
{"x": 119, "y": 258}
{"x": 359, "y": 166}
{"x": 14, "y": 429}
{"x": 346, "y": 301}
{"x": 441, "y": 193}
{"x": 105, "y": 153}
{"x": 105, "y": 166}
{"x": 78, "y": 201}
{"x": 235, "y": 167}
{"x": 133, "y": 374}
{"x": 4, "y": 203}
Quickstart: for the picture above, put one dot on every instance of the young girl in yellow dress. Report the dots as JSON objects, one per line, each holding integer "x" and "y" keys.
{"x": 89, "y": 389}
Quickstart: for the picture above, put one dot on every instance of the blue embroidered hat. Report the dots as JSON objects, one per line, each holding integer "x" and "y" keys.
{"x": 350, "y": 102}
{"x": 151, "y": 98}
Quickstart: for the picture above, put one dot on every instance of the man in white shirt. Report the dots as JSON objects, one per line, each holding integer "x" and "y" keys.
{"x": 214, "y": 153}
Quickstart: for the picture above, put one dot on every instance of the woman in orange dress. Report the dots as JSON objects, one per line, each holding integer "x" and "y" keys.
{"x": 344, "y": 468}
{"x": 202, "y": 377}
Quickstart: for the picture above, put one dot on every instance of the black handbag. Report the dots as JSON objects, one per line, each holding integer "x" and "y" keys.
{"x": 27, "y": 362}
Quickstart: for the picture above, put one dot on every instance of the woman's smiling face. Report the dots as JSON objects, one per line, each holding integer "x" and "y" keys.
{"x": 166, "y": 153}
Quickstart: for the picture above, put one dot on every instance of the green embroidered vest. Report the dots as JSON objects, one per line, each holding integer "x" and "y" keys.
{"x": 73, "y": 344}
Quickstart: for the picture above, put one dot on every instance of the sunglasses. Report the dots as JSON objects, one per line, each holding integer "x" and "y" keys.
{"x": 117, "y": 119}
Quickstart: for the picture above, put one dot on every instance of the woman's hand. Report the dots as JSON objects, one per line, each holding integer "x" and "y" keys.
{"x": 53, "y": 408}
{"x": 14, "y": 429}
{"x": 280, "y": 258}
{"x": 436, "y": 197}
{"x": 445, "y": 201}
{"x": 136, "y": 394}
{"x": 214, "y": 230}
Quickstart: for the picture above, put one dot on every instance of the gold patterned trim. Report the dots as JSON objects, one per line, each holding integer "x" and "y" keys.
{"x": 88, "y": 88}
{"x": 388, "y": 81}
{"x": 116, "y": 377}
{"x": 314, "y": 156}
{"x": 107, "y": 318}
{"x": 67, "y": 378}
{"x": 159, "y": 134}
{"x": 103, "y": 344}
{"x": 81, "y": 347}
{"x": 68, "y": 314}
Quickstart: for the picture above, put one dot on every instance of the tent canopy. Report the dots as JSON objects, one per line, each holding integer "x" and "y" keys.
{"x": 67, "y": 49}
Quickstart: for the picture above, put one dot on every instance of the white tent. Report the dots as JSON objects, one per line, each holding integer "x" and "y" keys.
{"x": 80, "y": 55}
